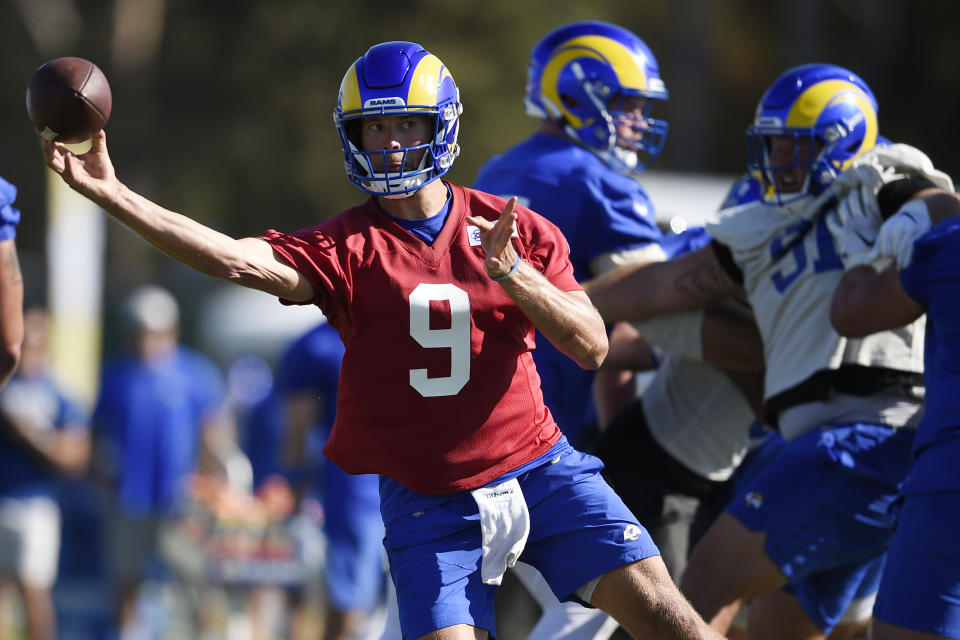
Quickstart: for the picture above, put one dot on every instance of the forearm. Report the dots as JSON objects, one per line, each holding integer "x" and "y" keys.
{"x": 11, "y": 310}
{"x": 866, "y": 302}
{"x": 641, "y": 291}
{"x": 180, "y": 237}
{"x": 249, "y": 262}
{"x": 614, "y": 293}
{"x": 567, "y": 319}
{"x": 941, "y": 205}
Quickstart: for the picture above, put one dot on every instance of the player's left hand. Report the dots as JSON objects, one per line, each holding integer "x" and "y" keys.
{"x": 495, "y": 240}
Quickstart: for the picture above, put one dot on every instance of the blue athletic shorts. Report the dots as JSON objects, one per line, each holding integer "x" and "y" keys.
{"x": 825, "y": 506}
{"x": 921, "y": 583}
{"x": 579, "y": 530}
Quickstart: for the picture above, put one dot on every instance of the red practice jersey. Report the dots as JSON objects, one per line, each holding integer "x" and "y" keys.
{"x": 438, "y": 389}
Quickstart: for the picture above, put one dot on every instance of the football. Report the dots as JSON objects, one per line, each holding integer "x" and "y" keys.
{"x": 68, "y": 100}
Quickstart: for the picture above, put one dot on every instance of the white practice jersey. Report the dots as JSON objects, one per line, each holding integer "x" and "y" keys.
{"x": 790, "y": 269}
{"x": 697, "y": 415}
{"x": 692, "y": 408}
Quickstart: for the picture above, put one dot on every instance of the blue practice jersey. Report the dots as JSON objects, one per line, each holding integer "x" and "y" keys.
{"x": 312, "y": 363}
{"x": 41, "y": 403}
{"x": 931, "y": 279}
{"x": 598, "y": 211}
{"x": 9, "y": 215}
{"x": 150, "y": 417}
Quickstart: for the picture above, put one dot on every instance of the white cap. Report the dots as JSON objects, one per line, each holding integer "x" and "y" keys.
{"x": 152, "y": 308}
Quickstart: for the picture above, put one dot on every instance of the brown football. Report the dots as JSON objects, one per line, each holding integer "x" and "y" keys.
{"x": 68, "y": 99}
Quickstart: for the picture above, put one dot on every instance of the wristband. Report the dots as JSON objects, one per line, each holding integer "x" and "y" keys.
{"x": 508, "y": 274}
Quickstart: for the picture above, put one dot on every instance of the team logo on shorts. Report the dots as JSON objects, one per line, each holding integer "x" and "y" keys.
{"x": 632, "y": 532}
{"x": 754, "y": 499}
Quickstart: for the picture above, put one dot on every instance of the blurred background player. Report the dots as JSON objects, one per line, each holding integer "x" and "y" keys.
{"x": 846, "y": 408}
{"x": 355, "y": 574}
{"x": 593, "y": 86}
{"x": 918, "y": 594}
{"x": 43, "y": 437}
{"x": 160, "y": 410}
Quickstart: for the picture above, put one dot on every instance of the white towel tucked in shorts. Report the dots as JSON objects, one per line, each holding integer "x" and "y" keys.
{"x": 505, "y": 524}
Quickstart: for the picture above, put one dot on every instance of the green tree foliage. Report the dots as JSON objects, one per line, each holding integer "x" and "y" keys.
{"x": 231, "y": 123}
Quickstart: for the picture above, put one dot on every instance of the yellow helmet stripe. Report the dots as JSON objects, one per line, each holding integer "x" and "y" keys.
{"x": 426, "y": 80}
{"x": 350, "y": 90}
{"x": 625, "y": 64}
{"x": 820, "y": 96}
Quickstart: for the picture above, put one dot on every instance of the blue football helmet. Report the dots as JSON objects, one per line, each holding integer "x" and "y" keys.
{"x": 576, "y": 75}
{"x": 828, "y": 106}
{"x": 398, "y": 78}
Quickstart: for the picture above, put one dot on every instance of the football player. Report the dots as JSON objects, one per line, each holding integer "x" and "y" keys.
{"x": 918, "y": 593}
{"x": 805, "y": 532}
{"x": 593, "y": 87}
{"x": 436, "y": 291}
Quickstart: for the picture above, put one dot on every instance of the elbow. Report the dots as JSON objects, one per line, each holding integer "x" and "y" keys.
{"x": 594, "y": 353}
{"x": 844, "y": 318}
{"x": 845, "y": 325}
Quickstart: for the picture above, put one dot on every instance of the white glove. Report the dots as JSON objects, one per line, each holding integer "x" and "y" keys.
{"x": 897, "y": 235}
{"x": 855, "y": 221}
{"x": 902, "y": 159}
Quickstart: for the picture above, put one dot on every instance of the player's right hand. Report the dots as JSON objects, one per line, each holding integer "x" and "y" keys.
{"x": 495, "y": 239}
{"x": 91, "y": 174}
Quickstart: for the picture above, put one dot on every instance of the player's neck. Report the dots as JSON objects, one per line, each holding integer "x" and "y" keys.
{"x": 424, "y": 202}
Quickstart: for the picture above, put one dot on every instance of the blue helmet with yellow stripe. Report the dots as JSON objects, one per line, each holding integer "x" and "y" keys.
{"x": 579, "y": 74}
{"x": 398, "y": 78}
{"x": 831, "y": 108}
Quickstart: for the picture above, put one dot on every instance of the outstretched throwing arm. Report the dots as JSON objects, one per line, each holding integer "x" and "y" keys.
{"x": 250, "y": 262}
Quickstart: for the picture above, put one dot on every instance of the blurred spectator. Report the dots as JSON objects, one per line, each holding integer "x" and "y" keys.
{"x": 160, "y": 415}
{"x": 354, "y": 569}
{"x": 43, "y": 435}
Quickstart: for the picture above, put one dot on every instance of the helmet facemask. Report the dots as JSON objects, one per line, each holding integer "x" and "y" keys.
{"x": 392, "y": 184}
{"x": 787, "y": 175}
{"x": 827, "y": 118}
{"x": 634, "y": 153}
